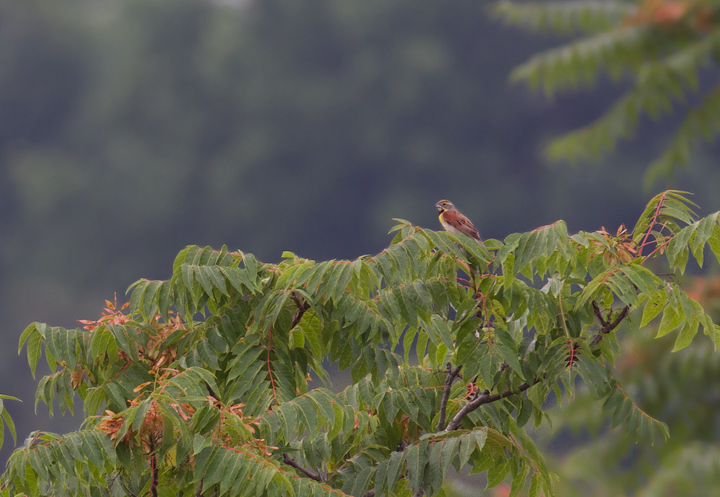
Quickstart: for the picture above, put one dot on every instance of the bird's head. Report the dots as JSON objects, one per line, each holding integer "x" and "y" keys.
{"x": 444, "y": 205}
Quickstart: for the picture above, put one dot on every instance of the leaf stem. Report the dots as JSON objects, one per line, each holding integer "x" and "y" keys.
{"x": 652, "y": 223}
{"x": 269, "y": 346}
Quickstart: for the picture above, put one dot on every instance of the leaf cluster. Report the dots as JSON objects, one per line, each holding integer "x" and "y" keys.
{"x": 203, "y": 384}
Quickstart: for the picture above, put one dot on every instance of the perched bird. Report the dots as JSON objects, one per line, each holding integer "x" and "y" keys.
{"x": 455, "y": 221}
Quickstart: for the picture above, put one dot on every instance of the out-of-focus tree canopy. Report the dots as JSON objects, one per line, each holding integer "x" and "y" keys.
{"x": 680, "y": 388}
{"x": 667, "y": 50}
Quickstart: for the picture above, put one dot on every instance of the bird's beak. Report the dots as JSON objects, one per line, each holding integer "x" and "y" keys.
{"x": 438, "y": 206}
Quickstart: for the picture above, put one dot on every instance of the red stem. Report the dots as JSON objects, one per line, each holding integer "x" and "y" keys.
{"x": 269, "y": 345}
{"x": 657, "y": 213}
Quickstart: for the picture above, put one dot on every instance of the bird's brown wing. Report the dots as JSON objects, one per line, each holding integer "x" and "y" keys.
{"x": 461, "y": 223}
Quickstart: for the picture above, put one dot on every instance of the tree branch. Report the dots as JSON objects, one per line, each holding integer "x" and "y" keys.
{"x": 485, "y": 398}
{"x": 598, "y": 313}
{"x": 608, "y": 326}
{"x": 302, "y": 307}
{"x": 310, "y": 474}
{"x": 451, "y": 375}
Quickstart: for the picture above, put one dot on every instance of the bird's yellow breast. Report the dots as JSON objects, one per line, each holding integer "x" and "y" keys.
{"x": 444, "y": 223}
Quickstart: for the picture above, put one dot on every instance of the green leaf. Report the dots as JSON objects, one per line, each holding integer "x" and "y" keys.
{"x": 714, "y": 241}
{"x": 395, "y": 467}
{"x": 9, "y": 421}
{"x": 687, "y": 333}
{"x": 496, "y": 475}
{"x": 218, "y": 280}
{"x": 165, "y": 299}
{"x": 25, "y": 335}
{"x": 203, "y": 276}
{"x": 508, "y": 351}
{"x": 100, "y": 340}
{"x": 34, "y": 342}
{"x": 417, "y": 457}
{"x": 535, "y": 486}
{"x": 671, "y": 319}
{"x": 657, "y": 302}
{"x": 468, "y": 444}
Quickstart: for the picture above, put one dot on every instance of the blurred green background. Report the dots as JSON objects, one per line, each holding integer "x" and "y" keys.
{"x": 131, "y": 128}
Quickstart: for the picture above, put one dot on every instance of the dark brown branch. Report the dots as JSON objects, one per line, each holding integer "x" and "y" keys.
{"x": 485, "y": 398}
{"x": 451, "y": 375}
{"x": 369, "y": 493}
{"x": 419, "y": 492}
{"x": 212, "y": 392}
{"x": 199, "y": 492}
{"x": 598, "y": 313}
{"x": 302, "y": 308}
{"x": 310, "y": 474}
{"x": 611, "y": 326}
{"x": 607, "y": 325}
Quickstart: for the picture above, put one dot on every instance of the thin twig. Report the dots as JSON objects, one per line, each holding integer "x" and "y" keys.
{"x": 659, "y": 247}
{"x": 485, "y": 398}
{"x": 302, "y": 306}
{"x": 212, "y": 392}
{"x": 451, "y": 375}
{"x": 598, "y": 313}
{"x": 607, "y": 325}
{"x": 310, "y": 474}
{"x": 199, "y": 492}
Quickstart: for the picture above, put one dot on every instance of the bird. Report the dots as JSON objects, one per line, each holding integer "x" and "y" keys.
{"x": 455, "y": 221}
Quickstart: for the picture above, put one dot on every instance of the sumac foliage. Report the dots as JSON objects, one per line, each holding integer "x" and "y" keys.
{"x": 211, "y": 382}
